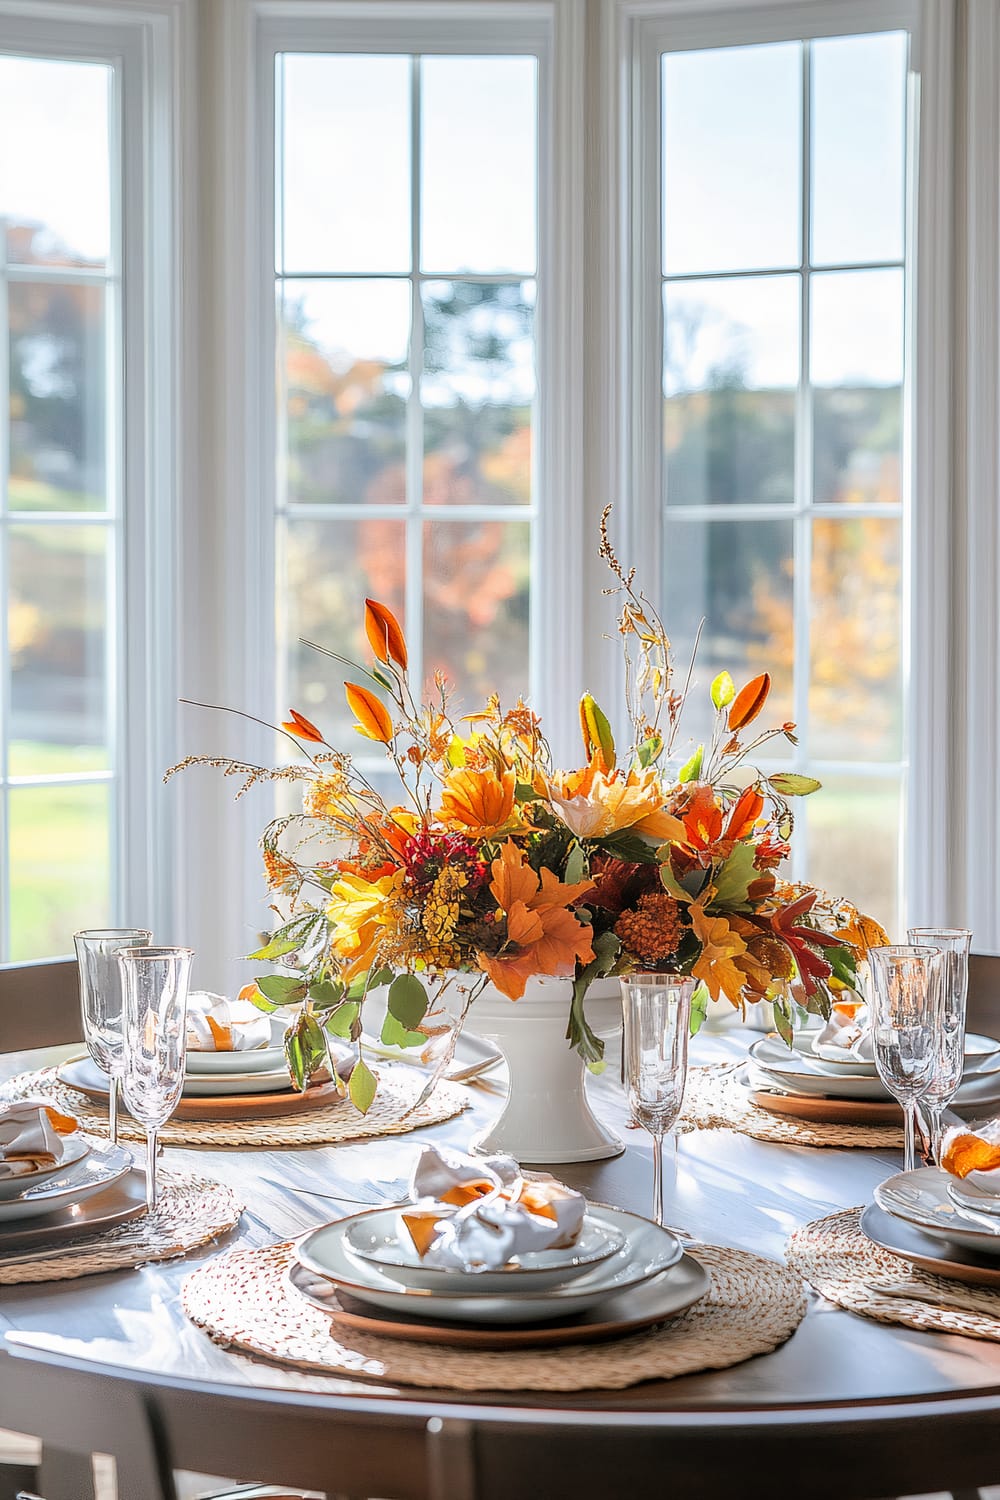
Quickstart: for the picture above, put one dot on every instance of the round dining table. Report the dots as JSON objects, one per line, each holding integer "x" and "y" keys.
{"x": 720, "y": 1187}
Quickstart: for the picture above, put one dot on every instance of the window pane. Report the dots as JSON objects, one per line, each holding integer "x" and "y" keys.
{"x": 478, "y": 188}
{"x": 476, "y": 584}
{"x": 477, "y": 391}
{"x": 849, "y": 814}
{"x": 859, "y": 130}
{"x": 345, "y": 163}
{"x": 736, "y": 576}
{"x": 57, "y": 634}
{"x": 58, "y": 386}
{"x": 856, "y": 355}
{"x": 344, "y": 346}
{"x": 54, "y": 160}
{"x": 855, "y": 692}
{"x": 731, "y": 358}
{"x": 731, "y": 153}
{"x": 59, "y": 865}
{"x": 329, "y": 569}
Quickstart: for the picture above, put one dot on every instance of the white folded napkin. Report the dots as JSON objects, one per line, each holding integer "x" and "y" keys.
{"x": 31, "y": 1138}
{"x": 215, "y": 1024}
{"x": 476, "y": 1215}
{"x": 846, "y": 1038}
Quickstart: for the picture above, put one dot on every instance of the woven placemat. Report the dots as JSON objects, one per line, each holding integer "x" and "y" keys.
{"x": 840, "y": 1262}
{"x": 190, "y": 1211}
{"x": 243, "y": 1301}
{"x": 715, "y": 1099}
{"x": 392, "y": 1113}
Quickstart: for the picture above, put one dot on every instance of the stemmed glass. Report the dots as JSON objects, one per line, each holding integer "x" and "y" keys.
{"x": 97, "y": 951}
{"x": 954, "y": 943}
{"x": 155, "y": 985}
{"x": 906, "y": 998}
{"x": 657, "y": 1015}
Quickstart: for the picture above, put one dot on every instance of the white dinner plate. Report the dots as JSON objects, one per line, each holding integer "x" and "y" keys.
{"x": 982, "y": 1055}
{"x": 94, "y": 1172}
{"x": 798, "y": 1074}
{"x": 257, "y": 1060}
{"x": 922, "y": 1198}
{"x": 84, "y": 1071}
{"x": 75, "y": 1149}
{"x": 381, "y": 1240}
{"x": 967, "y": 1195}
{"x": 648, "y": 1251}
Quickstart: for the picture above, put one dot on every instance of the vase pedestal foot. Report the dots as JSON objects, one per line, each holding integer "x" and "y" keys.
{"x": 495, "y": 1142}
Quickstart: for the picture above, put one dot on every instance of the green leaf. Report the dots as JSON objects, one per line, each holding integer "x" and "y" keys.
{"x": 699, "y": 1008}
{"x": 597, "y": 729}
{"x": 578, "y": 1031}
{"x": 394, "y": 1035}
{"x": 276, "y": 948}
{"x": 782, "y": 1021}
{"x": 681, "y": 892}
{"x": 326, "y": 993}
{"x": 373, "y": 980}
{"x": 723, "y": 690}
{"x": 408, "y": 1001}
{"x": 844, "y": 963}
{"x": 733, "y": 878}
{"x": 628, "y": 846}
{"x": 283, "y": 989}
{"x": 787, "y": 784}
{"x": 524, "y": 792}
{"x": 691, "y": 769}
{"x": 576, "y": 866}
{"x": 381, "y": 678}
{"x": 262, "y": 1003}
{"x": 649, "y": 751}
{"x": 341, "y": 1022}
{"x": 305, "y": 1048}
{"x": 362, "y": 1086}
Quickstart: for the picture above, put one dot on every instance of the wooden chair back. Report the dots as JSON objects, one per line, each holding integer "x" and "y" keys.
{"x": 39, "y": 1004}
{"x": 984, "y": 993}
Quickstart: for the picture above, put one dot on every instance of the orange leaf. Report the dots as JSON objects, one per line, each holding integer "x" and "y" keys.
{"x": 384, "y": 634}
{"x": 374, "y": 720}
{"x": 301, "y": 726}
{"x": 749, "y": 701}
{"x": 745, "y": 813}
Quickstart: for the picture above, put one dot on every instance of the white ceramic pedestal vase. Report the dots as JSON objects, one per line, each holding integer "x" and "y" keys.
{"x": 546, "y": 1117}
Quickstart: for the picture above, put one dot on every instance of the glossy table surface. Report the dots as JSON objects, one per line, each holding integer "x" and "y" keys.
{"x": 723, "y": 1187}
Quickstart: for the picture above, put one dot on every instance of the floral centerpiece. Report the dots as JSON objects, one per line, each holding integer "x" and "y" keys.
{"x": 495, "y": 865}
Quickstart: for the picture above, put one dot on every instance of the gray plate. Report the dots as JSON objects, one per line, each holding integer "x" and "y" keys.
{"x": 82, "y": 1072}
{"x": 648, "y": 1251}
{"x": 99, "y": 1170}
{"x": 910, "y": 1244}
{"x": 921, "y": 1198}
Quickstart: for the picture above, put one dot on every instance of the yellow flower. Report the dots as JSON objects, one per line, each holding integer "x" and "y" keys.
{"x": 721, "y": 946}
{"x": 594, "y": 803}
{"x": 362, "y": 914}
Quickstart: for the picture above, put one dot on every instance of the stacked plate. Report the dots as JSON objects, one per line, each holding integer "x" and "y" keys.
{"x": 795, "y": 1081}
{"x": 92, "y": 1187}
{"x": 621, "y": 1274}
{"x": 935, "y": 1221}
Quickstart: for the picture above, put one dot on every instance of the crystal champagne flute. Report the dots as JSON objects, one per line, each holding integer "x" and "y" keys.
{"x": 657, "y": 1016}
{"x": 97, "y": 951}
{"x": 155, "y": 984}
{"x": 954, "y": 943}
{"x": 907, "y": 985}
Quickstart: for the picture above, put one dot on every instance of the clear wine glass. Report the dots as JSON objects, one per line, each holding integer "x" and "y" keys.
{"x": 907, "y": 987}
{"x": 954, "y": 943}
{"x": 155, "y": 984}
{"x": 657, "y": 1015}
{"x": 97, "y": 951}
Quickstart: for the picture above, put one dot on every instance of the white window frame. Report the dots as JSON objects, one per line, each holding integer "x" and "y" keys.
{"x": 242, "y": 40}
{"x": 635, "y": 32}
{"x": 143, "y": 43}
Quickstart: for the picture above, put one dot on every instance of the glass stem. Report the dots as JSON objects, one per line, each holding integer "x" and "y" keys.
{"x": 151, "y": 1145}
{"x": 909, "y": 1136}
{"x": 113, "y": 1109}
{"x": 658, "y": 1178}
{"x": 934, "y": 1113}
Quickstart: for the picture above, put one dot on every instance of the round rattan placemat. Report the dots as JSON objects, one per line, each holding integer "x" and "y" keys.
{"x": 243, "y": 1301}
{"x": 840, "y": 1262}
{"x": 715, "y": 1099}
{"x": 398, "y": 1089}
{"x": 191, "y": 1211}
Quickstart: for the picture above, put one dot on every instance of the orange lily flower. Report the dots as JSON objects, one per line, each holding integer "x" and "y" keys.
{"x": 596, "y": 802}
{"x": 548, "y": 936}
{"x": 384, "y": 633}
{"x": 374, "y": 719}
{"x": 480, "y": 803}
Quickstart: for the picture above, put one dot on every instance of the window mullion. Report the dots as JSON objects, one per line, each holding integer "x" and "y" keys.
{"x": 414, "y": 581}
{"x": 802, "y": 524}
{"x": 5, "y": 908}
